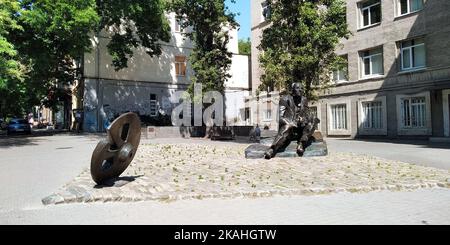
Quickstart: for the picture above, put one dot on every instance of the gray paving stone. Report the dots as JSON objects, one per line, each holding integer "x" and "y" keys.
{"x": 172, "y": 172}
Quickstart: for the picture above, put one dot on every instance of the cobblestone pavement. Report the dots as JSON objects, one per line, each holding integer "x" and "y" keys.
{"x": 170, "y": 172}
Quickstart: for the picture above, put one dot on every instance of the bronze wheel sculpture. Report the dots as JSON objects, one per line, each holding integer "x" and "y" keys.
{"x": 112, "y": 156}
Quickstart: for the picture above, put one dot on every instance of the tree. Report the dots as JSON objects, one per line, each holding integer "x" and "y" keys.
{"x": 300, "y": 44}
{"x": 134, "y": 23}
{"x": 59, "y": 33}
{"x": 56, "y": 35}
{"x": 11, "y": 70}
{"x": 245, "y": 47}
{"x": 9, "y": 64}
{"x": 210, "y": 21}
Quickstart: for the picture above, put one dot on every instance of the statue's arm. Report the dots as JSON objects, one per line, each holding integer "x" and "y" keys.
{"x": 284, "y": 119}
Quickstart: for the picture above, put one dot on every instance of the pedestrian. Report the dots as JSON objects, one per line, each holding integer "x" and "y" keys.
{"x": 31, "y": 119}
{"x": 257, "y": 133}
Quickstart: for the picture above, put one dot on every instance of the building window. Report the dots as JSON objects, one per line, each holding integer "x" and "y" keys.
{"x": 372, "y": 115}
{"x": 247, "y": 114}
{"x": 413, "y": 54}
{"x": 313, "y": 111}
{"x": 370, "y": 13}
{"x": 339, "y": 117}
{"x": 180, "y": 66}
{"x": 268, "y": 115}
{"x": 413, "y": 112}
{"x": 153, "y": 105}
{"x": 179, "y": 24}
{"x": 372, "y": 62}
{"x": 409, "y": 6}
{"x": 266, "y": 11}
{"x": 341, "y": 75}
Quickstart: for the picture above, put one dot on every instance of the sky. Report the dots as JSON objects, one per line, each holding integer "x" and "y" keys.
{"x": 242, "y": 7}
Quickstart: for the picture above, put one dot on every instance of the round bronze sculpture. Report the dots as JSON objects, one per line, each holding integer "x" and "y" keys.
{"x": 112, "y": 156}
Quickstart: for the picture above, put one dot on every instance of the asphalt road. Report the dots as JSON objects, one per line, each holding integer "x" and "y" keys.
{"x": 33, "y": 168}
{"x": 417, "y": 152}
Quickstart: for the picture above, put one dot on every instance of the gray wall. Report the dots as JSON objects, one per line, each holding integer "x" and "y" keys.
{"x": 433, "y": 23}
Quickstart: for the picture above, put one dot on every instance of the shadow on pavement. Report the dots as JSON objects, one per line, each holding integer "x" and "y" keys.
{"x": 36, "y": 138}
{"x": 18, "y": 141}
{"x": 118, "y": 182}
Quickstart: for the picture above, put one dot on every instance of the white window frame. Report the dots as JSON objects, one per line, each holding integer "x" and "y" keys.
{"x": 411, "y": 109}
{"x": 411, "y": 57}
{"x": 373, "y": 108}
{"x": 370, "y": 57}
{"x": 362, "y": 26}
{"x": 408, "y": 3}
{"x": 154, "y": 103}
{"x": 370, "y": 131}
{"x": 410, "y": 131}
{"x": 342, "y": 132}
{"x": 266, "y": 115}
{"x": 336, "y": 124}
{"x": 339, "y": 80}
{"x": 178, "y": 23}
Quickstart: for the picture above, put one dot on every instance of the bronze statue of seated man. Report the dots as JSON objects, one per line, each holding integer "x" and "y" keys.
{"x": 296, "y": 122}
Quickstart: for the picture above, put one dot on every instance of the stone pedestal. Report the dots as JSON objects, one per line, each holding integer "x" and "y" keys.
{"x": 317, "y": 148}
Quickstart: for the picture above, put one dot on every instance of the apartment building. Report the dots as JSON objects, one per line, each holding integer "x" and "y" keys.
{"x": 261, "y": 109}
{"x": 148, "y": 84}
{"x": 398, "y": 79}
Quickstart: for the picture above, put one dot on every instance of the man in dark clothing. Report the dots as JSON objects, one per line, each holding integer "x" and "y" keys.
{"x": 296, "y": 122}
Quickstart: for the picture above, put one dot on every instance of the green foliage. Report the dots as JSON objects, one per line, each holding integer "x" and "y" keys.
{"x": 245, "y": 47}
{"x": 300, "y": 44}
{"x": 42, "y": 43}
{"x": 57, "y": 36}
{"x": 134, "y": 23}
{"x": 210, "y": 21}
{"x": 10, "y": 67}
{"x": 11, "y": 70}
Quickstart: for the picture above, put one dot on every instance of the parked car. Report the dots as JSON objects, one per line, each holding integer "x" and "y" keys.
{"x": 18, "y": 126}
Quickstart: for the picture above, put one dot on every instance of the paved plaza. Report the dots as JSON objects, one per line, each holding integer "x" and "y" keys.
{"x": 175, "y": 181}
{"x": 170, "y": 172}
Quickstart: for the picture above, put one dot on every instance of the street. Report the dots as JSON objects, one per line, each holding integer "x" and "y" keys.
{"x": 33, "y": 168}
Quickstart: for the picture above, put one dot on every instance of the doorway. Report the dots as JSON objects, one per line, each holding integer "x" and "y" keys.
{"x": 448, "y": 116}
{"x": 446, "y": 106}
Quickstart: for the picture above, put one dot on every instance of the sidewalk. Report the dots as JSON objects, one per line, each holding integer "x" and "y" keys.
{"x": 418, "y": 152}
{"x": 422, "y": 207}
{"x": 38, "y": 166}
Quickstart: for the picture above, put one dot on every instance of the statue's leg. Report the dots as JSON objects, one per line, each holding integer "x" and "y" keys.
{"x": 306, "y": 132}
{"x": 280, "y": 141}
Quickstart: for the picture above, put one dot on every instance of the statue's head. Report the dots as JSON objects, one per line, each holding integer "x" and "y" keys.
{"x": 297, "y": 89}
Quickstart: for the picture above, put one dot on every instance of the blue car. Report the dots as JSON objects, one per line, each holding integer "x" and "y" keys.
{"x": 16, "y": 126}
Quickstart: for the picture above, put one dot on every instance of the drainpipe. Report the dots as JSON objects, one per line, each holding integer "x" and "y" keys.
{"x": 97, "y": 90}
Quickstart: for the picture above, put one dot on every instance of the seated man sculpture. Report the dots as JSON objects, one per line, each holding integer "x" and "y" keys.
{"x": 295, "y": 123}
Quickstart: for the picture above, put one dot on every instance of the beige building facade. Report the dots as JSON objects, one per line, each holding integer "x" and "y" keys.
{"x": 398, "y": 79}
{"x": 148, "y": 85}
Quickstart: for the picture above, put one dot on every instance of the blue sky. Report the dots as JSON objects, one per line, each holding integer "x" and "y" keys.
{"x": 242, "y": 7}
